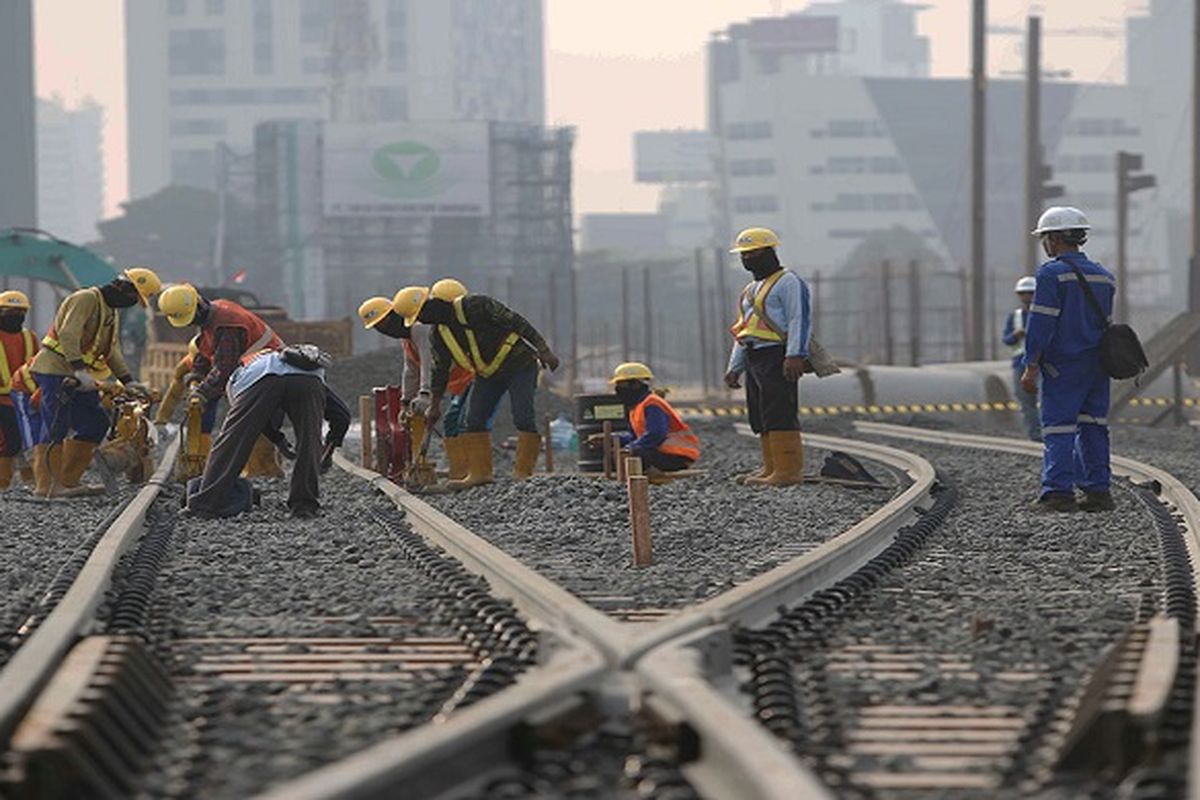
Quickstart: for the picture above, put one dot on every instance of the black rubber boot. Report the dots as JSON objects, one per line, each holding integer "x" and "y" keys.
{"x": 1097, "y": 501}
{"x": 1059, "y": 502}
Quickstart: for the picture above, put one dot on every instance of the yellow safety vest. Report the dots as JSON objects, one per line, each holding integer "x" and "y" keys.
{"x": 96, "y": 354}
{"x": 6, "y": 369}
{"x": 484, "y": 369}
{"x": 756, "y": 324}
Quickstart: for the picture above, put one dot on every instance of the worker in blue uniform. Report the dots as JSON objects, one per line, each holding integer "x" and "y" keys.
{"x": 1062, "y": 343}
{"x": 1014, "y": 337}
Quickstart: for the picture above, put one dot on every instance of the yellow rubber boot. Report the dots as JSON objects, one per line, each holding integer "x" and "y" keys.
{"x": 788, "y": 454}
{"x": 456, "y": 454}
{"x": 478, "y": 448}
{"x": 6, "y": 472}
{"x": 528, "y": 447}
{"x": 76, "y": 458}
{"x": 768, "y": 462}
{"x": 264, "y": 461}
{"x": 41, "y": 470}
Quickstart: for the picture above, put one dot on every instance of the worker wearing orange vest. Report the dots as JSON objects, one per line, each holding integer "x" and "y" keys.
{"x": 81, "y": 348}
{"x": 772, "y": 348}
{"x": 230, "y": 336}
{"x": 657, "y": 435}
{"x": 17, "y": 346}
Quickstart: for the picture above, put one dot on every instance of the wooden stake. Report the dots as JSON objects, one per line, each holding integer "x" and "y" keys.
{"x": 608, "y": 453}
{"x": 366, "y": 411}
{"x": 549, "y": 448}
{"x": 619, "y": 456}
{"x": 633, "y": 466}
{"x": 639, "y": 519}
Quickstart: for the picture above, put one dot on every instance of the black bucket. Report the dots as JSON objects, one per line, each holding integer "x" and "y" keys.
{"x": 591, "y": 412}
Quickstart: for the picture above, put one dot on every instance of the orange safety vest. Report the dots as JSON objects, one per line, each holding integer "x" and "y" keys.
{"x": 756, "y": 324}
{"x": 7, "y": 374}
{"x": 680, "y": 440}
{"x": 228, "y": 314}
{"x": 460, "y": 378}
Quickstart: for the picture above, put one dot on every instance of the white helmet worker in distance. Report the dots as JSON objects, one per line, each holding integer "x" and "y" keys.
{"x": 1026, "y": 284}
{"x": 1066, "y": 223}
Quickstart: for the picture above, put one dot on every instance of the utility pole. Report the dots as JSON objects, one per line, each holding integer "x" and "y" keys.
{"x": 978, "y": 175}
{"x": 703, "y": 339}
{"x": 914, "y": 313}
{"x": 1127, "y": 184}
{"x": 625, "y": 332}
{"x": 573, "y": 288}
{"x": 647, "y": 316}
{"x": 1037, "y": 173}
{"x": 885, "y": 298}
{"x": 1194, "y": 273}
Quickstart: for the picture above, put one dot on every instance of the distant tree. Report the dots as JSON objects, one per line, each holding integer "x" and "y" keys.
{"x": 172, "y": 231}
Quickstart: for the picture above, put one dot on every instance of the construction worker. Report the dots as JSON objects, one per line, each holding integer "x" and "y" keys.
{"x": 1062, "y": 340}
{"x": 1014, "y": 337}
{"x": 771, "y": 346}
{"x": 185, "y": 372}
{"x": 229, "y": 335}
{"x": 265, "y": 383}
{"x": 504, "y": 351}
{"x": 81, "y": 348}
{"x": 17, "y": 346}
{"x": 657, "y": 435}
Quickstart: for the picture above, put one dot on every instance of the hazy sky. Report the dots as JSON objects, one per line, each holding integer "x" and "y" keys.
{"x": 612, "y": 67}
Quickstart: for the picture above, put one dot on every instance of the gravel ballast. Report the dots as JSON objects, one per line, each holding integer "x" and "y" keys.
{"x": 709, "y": 533}
{"x": 999, "y": 590}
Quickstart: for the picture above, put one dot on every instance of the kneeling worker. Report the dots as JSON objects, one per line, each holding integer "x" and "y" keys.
{"x": 659, "y": 437}
{"x": 17, "y": 346}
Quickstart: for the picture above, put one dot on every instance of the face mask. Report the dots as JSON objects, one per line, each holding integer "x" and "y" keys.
{"x": 12, "y": 323}
{"x": 393, "y": 326}
{"x": 630, "y": 393}
{"x": 119, "y": 294}
{"x": 760, "y": 263}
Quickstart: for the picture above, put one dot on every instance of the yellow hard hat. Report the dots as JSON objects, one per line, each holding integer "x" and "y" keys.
{"x": 14, "y": 299}
{"x": 145, "y": 281}
{"x": 408, "y": 303}
{"x": 179, "y": 302}
{"x": 631, "y": 371}
{"x": 373, "y": 310}
{"x": 194, "y": 346}
{"x": 754, "y": 239}
{"x": 447, "y": 289}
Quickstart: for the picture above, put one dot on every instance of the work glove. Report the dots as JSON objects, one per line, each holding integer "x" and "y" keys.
{"x": 733, "y": 380}
{"x": 548, "y": 360}
{"x": 285, "y": 448}
{"x": 420, "y": 403}
{"x": 195, "y": 395}
{"x": 794, "y": 367}
{"x": 82, "y": 381}
{"x": 137, "y": 389}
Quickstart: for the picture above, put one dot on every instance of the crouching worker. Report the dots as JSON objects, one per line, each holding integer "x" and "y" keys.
{"x": 292, "y": 380}
{"x": 659, "y": 437}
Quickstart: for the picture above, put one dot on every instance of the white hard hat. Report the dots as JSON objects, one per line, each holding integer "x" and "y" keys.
{"x": 1061, "y": 218}
{"x": 1026, "y": 284}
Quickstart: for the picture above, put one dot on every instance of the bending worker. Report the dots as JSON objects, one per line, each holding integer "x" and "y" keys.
{"x": 17, "y": 346}
{"x": 771, "y": 347}
{"x": 1014, "y": 337}
{"x": 503, "y": 350}
{"x": 1062, "y": 344}
{"x": 82, "y": 346}
{"x": 229, "y": 336}
{"x": 658, "y": 436}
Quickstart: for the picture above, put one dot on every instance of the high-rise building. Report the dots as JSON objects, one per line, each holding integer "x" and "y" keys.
{"x": 205, "y": 72}
{"x": 70, "y": 168}
{"x": 18, "y": 199}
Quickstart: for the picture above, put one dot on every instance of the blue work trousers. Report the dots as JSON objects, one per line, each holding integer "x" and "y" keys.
{"x": 66, "y": 411}
{"x": 454, "y": 420}
{"x": 1029, "y": 405}
{"x": 485, "y": 395}
{"x": 29, "y": 421}
{"x": 1075, "y": 397}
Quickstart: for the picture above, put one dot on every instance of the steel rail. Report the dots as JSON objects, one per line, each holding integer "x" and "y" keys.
{"x": 27, "y": 672}
{"x": 1174, "y": 493}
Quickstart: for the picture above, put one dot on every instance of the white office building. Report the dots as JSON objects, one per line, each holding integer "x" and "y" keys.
{"x": 70, "y": 168}
{"x": 203, "y": 72}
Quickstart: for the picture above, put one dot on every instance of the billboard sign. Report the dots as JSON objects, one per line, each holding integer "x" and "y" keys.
{"x": 407, "y": 170}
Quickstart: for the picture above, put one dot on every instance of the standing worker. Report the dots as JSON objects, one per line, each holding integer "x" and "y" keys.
{"x": 17, "y": 346}
{"x": 504, "y": 351}
{"x": 1014, "y": 337}
{"x": 1062, "y": 343}
{"x": 266, "y": 383}
{"x": 229, "y": 336}
{"x": 772, "y": 348}
{"x": 81, "y": 347}
{"x": 657, "y": 435}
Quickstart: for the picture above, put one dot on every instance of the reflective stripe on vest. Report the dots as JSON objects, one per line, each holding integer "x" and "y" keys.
{"x": 6, "y": 376}
{"x": 680, "y": 440}
{"x": 484, "y": 369}
{"x": 460, "y": 376}
{"x": 757, "y": 325}
{"x": 1018, "y": 349}
{"x": 91, "y": 353}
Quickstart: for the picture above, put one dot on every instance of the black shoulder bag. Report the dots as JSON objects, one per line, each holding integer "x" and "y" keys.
{"x": 1121, "y": 353}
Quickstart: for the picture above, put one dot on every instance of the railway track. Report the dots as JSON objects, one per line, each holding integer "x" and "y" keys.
{"x": 677, "y": 700}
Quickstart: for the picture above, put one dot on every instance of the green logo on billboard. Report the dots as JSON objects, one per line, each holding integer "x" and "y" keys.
{"x": 406, "y": 163}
